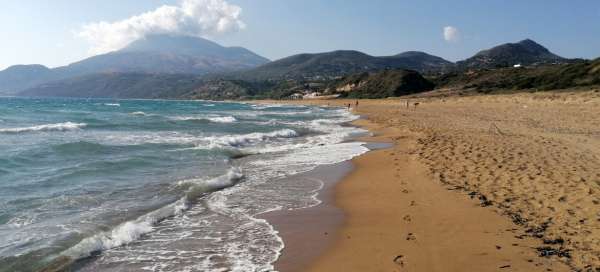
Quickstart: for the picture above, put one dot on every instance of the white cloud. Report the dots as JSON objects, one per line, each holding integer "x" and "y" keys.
{"x": 200, "y": 18}
{"x": 451, "y": 34}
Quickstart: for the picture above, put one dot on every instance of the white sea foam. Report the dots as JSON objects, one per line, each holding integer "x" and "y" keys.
{"x": 130, "y": 231}
{"x": 214, "y": 119}
{"x": 245, "y": 139}
{"x": 266, "y": 106}
{"x": 112, "y": 104}
{"x": 222, "y": 119}
{"x": 141, "y": 113}
{"x": 291, "y": 113}
{"x": 196, "y": 187}
{"x": 47, "y": 127}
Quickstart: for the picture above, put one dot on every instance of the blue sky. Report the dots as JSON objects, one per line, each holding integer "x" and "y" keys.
{"x": 49, "y": 32}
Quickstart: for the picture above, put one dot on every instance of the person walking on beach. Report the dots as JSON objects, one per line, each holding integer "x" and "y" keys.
{"x": 356, "y": 105}
{"x": 348, "y": 106}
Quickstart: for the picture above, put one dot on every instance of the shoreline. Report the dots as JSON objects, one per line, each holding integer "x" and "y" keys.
{"x": 431, "y": 229}
{"x": 307, "y": 232}
{"x": 455, "y": 230}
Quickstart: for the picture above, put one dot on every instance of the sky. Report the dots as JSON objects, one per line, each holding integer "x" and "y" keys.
{"x": 59, "y": 32}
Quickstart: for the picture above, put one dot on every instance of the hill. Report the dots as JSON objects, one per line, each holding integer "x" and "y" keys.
{"x": 421, "y": 61}
{"x": 539, "y": 78}
{"x": 160, "y": 54}
{"x": 18, "y": 77}
{"x": 340, "y": 63}
{"x": 388, "y": 83}
{"x": 525, "y": 52}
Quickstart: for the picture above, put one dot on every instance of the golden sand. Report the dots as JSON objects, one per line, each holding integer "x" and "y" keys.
{"x": 482, "y": 183}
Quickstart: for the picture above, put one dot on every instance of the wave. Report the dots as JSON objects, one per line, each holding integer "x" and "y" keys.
{"x": 288, "y": 113}
{"x": 47, "y": 127}
{"x": 266, "y": 106}
{"x": 214, "y": 119}
{"x": 130, "y": 231}
{"x": 224, "y": 119}
{"x": 140, "y": 113}
{"x": 80, "y": 147}
{"x": 112, "y": 104}
{"x": 198, "y": 187}
{"x": 245, "y": 139}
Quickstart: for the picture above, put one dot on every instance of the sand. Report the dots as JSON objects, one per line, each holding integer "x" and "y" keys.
{"x": 481, "y": 183}
{"x": 308, "y": 232}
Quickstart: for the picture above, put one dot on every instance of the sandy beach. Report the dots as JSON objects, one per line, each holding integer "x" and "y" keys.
{"x": 479, "y": 183}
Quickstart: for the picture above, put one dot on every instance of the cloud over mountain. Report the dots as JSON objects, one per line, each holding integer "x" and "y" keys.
{"x": 451, "y": 34}
{"x": 199, "y": 18}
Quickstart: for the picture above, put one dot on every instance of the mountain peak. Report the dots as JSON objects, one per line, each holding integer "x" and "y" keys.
{"x": 172, "y": 44}
{"x": 533, "y": 46}
{"x": 26, "y": 67}
{"x": 528, "y": 41}
{"x": 525, "y": 52}
{"x": 411, "y": 54}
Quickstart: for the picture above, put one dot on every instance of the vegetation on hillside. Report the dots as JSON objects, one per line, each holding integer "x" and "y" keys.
{"x": 330, "y": 65}
{"x": 525, "y": 52}
{"x": 548, "y": 77}
{"x": 388, "y": 83}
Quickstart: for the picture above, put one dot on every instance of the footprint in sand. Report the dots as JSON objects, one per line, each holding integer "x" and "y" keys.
{"x": 399, "y": 260}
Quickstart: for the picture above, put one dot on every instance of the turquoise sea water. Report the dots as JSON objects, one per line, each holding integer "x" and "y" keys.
{"x": 147, "y": 185}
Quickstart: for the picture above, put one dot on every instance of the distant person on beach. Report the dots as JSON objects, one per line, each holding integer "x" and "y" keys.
{"x": 356, "y": 106}
{"x": 348, "y": 106}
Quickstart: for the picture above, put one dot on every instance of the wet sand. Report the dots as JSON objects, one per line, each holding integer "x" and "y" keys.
{"x": 485, "y": 183}
{"x": 308, "y": 232}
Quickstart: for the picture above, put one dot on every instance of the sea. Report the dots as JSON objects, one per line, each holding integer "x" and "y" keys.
{"x": 157, "y": 185}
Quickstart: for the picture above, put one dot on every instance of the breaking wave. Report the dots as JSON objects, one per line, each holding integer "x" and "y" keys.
{"x": 245, "y": 139}
{"x": 140, "y": 113}
{"x": 214, "y": 119}
{"x": 47, "y": 127}
{"x": 130, "y": 231}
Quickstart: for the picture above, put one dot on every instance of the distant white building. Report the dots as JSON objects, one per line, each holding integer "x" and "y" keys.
{"x": 311, "y": 95}
{"x": 517, "y": 66}
{"x": 296, "y": 96}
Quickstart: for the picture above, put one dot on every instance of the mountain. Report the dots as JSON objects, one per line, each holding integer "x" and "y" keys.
{"x": 160, "y": 54}
{"x": 341, "y": 63}
{"x": 167, "y": 54}
{"x": 23, "y": 76}
{"x": 380, "y": 84}
{"x": 525, "y": 52}
{"x": 117, "y": 85}
{"x": 149, "y": 86}
{"x": 234, "y": 57}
